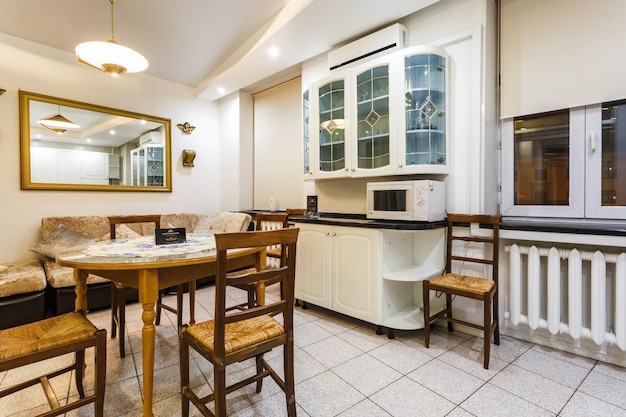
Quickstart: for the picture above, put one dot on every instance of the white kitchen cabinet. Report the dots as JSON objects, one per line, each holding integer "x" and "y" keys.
{"x": 371, "y": 274}
{"x": 356, "y": 273}
{"x": 313, "y": 265}
{"x": 330, "y": 117}
{"x": 337, "y": 268}
{"x": 385, "y": 117}
{"x": 148, "y": 165}
{"x": 423, "y": 133}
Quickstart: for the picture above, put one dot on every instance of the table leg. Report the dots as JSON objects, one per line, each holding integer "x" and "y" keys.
{"x": 148, "y": 294}
{"x": 80, "y": 303}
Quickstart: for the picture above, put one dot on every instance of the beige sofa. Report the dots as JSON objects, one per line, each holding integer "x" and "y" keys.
{"x": 83, "y": 229}
{"x": 22, "y": 293}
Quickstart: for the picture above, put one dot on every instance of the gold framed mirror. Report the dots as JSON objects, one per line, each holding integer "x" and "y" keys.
{"x": 70, "y": 145}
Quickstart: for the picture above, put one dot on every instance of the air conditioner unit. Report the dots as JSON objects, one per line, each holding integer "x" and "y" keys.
{"x": 378, "y": 43}
{"x": 152, "y": 137}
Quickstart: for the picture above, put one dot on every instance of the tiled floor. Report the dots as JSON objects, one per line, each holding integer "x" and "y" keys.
{"x": 344, "y": 369}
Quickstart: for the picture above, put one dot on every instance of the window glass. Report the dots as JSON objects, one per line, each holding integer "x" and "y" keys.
{"x": 614, "y": 153}
{"x": 541, "y": 159}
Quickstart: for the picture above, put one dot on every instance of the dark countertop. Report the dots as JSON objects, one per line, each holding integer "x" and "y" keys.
{"x": 360, "y": 220}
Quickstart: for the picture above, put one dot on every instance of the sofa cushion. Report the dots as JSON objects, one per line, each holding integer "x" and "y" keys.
{"x": 62, "y": 276}
{"x": 21, "y": 278}
{"x": 223, "y": 222}
{"x": 92, "y": 226}
{"x": 62, "y": 239}
{"x": 186, "y": 220}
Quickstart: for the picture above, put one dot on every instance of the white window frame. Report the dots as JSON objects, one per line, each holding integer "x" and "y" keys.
{"x": 577, "y": 182}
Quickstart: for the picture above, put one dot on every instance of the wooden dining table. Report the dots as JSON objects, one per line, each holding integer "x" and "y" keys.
{"x": 140, "y": 263}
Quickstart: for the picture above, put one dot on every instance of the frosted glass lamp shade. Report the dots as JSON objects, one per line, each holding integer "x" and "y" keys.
{"x": 111, "y": 57}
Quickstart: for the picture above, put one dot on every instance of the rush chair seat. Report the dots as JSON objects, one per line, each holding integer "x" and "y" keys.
{"x": 236, "y": 335}
{"x": 49, "y": 338}
{"x": 462, "y": 248}
{"x": 118, "y": 290}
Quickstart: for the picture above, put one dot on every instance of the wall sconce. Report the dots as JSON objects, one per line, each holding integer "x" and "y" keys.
{"x": 188, "y": 156}
{"x": 186, "y": 128}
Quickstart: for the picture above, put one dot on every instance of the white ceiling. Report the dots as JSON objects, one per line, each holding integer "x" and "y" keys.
{"x": 207, "y": 44}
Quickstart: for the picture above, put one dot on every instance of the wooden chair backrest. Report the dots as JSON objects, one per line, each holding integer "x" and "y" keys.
{"x": 226, "y": 242}
{"x": 130, "y": 219}
{"x": 490, "y": 234}
{"x": 271, "y": 221}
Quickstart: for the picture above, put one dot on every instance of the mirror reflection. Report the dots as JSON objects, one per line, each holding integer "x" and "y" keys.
{"x": 69, "y": 145}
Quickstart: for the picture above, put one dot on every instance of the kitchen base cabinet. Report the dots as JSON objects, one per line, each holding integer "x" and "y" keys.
{"x": 408, "y": 259}
{"x": 374, "y": 275}
{"x": 337, "y": 268}
{"x": 313, "y": 265}
{"x": 356, "y": 276}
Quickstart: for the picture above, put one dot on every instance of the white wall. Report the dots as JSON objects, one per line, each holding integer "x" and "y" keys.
{"x": 36, "y": 68}
{"x": 278, "y": 155}
{"x": 466, "y": 29}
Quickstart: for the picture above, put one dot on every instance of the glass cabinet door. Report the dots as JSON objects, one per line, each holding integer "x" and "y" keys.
{"x": 148, "y": 165}
{"x": 374, "y": 149}
{"x": 424, "y": 145}
{"x": 331, "y": 128}
{"x": 154, "y": 166}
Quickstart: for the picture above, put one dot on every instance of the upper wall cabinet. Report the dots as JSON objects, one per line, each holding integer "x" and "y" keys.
{"x": 330, "y": 115}
{"x": 423, "y": 145}
{"x": 385, "y": 117}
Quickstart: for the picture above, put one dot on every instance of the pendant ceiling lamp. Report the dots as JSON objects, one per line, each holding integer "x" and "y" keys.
{"x": 57, "y": 123}
{"x": 110, "y": 56}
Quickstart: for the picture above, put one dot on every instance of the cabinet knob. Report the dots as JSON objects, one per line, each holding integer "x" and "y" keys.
{"x": 327, "y": 233}
{"x": 400, "y": 166}
{"x": 334, "y": 234}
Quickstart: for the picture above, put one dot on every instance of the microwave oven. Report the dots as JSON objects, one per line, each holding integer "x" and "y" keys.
{"x": 417, "y": 200}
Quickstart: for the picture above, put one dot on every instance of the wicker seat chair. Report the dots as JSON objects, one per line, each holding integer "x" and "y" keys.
{"x": 237, "y": 335}
{"x": 41, "y": 340}
{"x": 465, "y": 230}
{"x": 119, "y": 290}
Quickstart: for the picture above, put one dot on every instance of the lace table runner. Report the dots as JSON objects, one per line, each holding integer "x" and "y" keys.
{"x": 144, "y": 246}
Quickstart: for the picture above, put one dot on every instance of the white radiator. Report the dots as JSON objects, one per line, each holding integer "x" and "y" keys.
{"x": 568, "y": 291}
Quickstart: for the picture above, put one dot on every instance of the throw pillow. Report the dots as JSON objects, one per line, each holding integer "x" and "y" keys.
{"x": 62, "y": 239}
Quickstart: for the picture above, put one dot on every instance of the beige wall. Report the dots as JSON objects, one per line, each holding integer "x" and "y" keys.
{"x": 40, "y": 69}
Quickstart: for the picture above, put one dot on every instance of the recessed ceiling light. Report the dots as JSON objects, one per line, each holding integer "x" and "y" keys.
{"x": 273, "y": 51}
{"x": 112, "y": 132}
{"x": 221, "y": 90}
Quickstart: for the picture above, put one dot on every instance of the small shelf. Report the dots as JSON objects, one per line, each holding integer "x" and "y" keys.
{"x": 413, "y": 273}
{"x": 411, "y": 318}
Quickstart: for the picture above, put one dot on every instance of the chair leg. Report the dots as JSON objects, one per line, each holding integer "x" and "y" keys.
{"x": 180, "y": 290}
{"x": 449, "y": 313}
{"x": 426, "y": 312}
{"x": 259, "y": 370}
{"x": 184, "y": 376}
{"x": 79, "y": 369}
{"x": 487, "y": 329}
{"x": 496, "y": 320}
{"x": 290, "y": 391}
{"x": 219, "y": 389}
{"x": 157, "y": 319}
{"x": 100, "y": 371}
{"x": 113, "y": 310}
{"x": 121, "y": 314}
{"x": 192, "y": 302}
